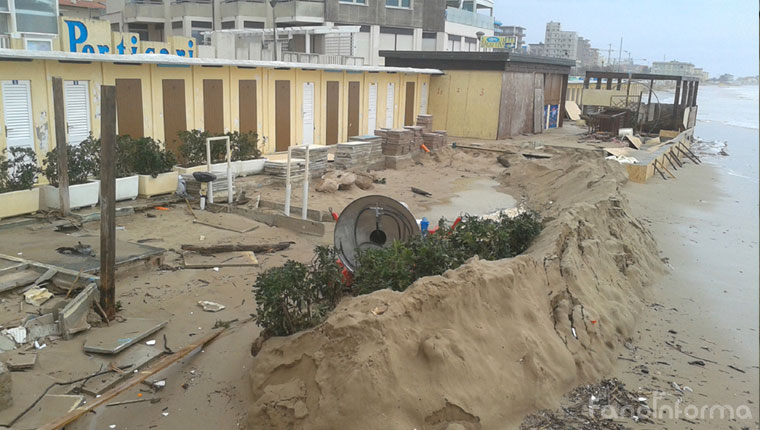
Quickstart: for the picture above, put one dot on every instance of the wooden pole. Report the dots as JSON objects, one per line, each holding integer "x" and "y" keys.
{"x": 108, "y": 200}
{"x": 60, "y": 143}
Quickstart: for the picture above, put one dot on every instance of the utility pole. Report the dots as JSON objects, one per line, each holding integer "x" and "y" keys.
{"x": 274, "y": 27}
{"x": 620, "y": 53}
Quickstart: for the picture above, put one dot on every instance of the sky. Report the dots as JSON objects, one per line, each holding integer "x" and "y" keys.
{"x": 721, "y": 36}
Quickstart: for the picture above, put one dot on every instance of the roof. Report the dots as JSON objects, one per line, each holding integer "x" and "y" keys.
{"x": 475, "y": 60}
{"x": 83, "y": 4}
{"x": 646, "y": 76}
{"x": 24, "y": 55}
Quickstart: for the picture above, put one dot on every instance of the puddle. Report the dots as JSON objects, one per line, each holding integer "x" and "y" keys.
{"x": 475, "y": 196}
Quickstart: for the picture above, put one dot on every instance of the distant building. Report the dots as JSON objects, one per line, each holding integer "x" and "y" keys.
{"x": 588, "y": 56}
{"x": 512, "y": 31}
{"x": 701, "y": 74}
{"x": 676, "y": 68}
{"x": 82, "y": 9}
{"x": 538, "y": 49}
{"x": 559, "y": 43}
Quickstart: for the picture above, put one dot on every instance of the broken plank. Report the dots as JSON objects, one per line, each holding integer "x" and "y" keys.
{"x": 71, "y": 316}
{"x": 635, "y": 141}
{"x": 48, "y": 275}
{"x": 228, "y": 259}
{"x": 18, "y": 279}
{"x": 218, "y": 249}
{"x": 133, "y": 359}
{"x": 116, "y": 338}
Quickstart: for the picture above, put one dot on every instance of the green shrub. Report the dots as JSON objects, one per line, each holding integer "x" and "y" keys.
{"x": 296, "y": 296}
{"x": 125, "y": 163}
{"x": 244, "y": 146}
{"x": 192, "y": 149}
{"x": 150, "y": 158}
{"x": 19, "y": 172}
{"x": 81, "y": 164}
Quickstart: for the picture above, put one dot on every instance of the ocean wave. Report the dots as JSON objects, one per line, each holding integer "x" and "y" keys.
{"x": 733, "y": 123}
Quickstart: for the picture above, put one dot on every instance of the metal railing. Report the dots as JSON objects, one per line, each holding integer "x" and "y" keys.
{"x": 466, "y": 17}
{"x": 303, "y": 57}
{"x": 5, "y": 41}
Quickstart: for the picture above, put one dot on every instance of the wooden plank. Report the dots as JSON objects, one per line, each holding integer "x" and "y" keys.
{"x": 572, "y": 109}
{"x": 117, "y": 337}
{"x": 141, "y": 376}
{"x": 227, "y": 259}
{"x": 108, "y": 200}
{"x": 135, "y": 357}
{"x": 60, "y": 143}
{"x": 15, "y": 267}
{"x": 226, "y": 221}
{"x": 18, "y": 278}
{"x": 635, "y": 141}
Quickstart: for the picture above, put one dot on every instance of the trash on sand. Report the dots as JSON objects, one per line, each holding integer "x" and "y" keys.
{"x": 37, "y": 296}
{"x": 421, "y": 192}
{"x": 79, "y": 249}
{"x": 18, "y": 334}
{"x": 165, "y": 412}
{"x": 377, "y": 310}
{"x": 38, "y": 346}
{"x": 112, "y": 426}
{"x": 160, "y": 384}
{"x": 210, "y": 306}
{"x": 151, "y": 342}
{"x": 697, "y": 363}
{"x": 216, "y": 269}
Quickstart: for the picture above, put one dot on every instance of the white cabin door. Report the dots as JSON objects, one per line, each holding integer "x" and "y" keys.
{"x": 372, "y": 112}
{"x": 77, "y": 108}
{"x": 424, "y": 98}
{"x": 17, "y": 112}
{"x": 389, "y": 105}
{"x": 307, "y": 112}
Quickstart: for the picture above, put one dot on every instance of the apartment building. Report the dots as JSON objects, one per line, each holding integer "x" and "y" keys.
{"x": 450, "y": 25}
{"x": 559, "y": 43}
{"x": 512, "y": 31}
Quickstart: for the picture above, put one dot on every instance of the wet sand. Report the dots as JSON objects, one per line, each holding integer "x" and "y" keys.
{"x": 706, "y": 226}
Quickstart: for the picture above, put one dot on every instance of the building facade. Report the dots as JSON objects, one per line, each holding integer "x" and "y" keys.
{"x": 452, "y": 25}
{"x": 672, "y": 68}
{"x": 163, "y": 88}
{"x": 559, "y": 43}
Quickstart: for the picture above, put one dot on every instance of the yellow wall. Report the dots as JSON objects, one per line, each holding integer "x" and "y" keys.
{"x": 40, "y": 73}
{"x": 466, "y": 103}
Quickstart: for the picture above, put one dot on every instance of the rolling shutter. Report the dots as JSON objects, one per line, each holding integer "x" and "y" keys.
{"x": 77, "y": 108}
{"x": 17, "y": 110}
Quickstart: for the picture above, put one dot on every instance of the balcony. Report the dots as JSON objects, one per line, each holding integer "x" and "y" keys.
{"x": 302, "y": 57}
{"x": 249, "y": 8}
{"x": 465, "y": 17}
{"x": 300, "y": 11}
{"x": 143, "y": 10}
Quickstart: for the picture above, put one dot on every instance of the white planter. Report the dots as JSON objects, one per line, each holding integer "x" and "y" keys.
{"x": 127, "y": 188}
{"x": 81, "y": 195}
{"x": 19, "y": 202}
{"x": 251, "y": 167}
{"x": 164, "y": 183}
{"x": 190, "y": 170}
{"x": 220, "y": 169}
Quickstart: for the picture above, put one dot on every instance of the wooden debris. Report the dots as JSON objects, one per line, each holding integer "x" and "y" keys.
{"x": 17, "y": 278}
{"x": 421, "y": 192}
{"x": 138, "y": 378}
{"x": 224, "y": 221}
{"x": 218, "y": 249}
{"x": 133, "y": 358}
{"x": 75, "y": 312}
{"x": 230, "y": 259}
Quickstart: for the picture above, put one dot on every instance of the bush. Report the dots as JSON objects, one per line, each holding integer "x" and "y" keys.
{"x": 81, "y": 164}
{"x": 150, "y": 158}
{"x": 192, "y": 150}
{"x": 19, "y": 172}
{"x": 244, "y": 146}
{"x": 125, "y": 163}
{"x": 295, "y": 297}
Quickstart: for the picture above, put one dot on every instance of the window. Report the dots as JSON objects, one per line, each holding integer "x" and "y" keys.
{"x": 364, "y": 2}
{"x": 38, "y": 44}
{"x": 37, "y": 16}
{"x": 5, "y": 17}
{"x": 227, "y": 25}
{"x": 407, "y": 4}
{"x": 253, "y": 24}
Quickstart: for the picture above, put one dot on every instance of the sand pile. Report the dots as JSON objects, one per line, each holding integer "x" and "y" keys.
{"x": 482, "y": 345}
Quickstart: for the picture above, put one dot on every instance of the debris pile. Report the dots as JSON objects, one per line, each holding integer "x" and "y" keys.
{"x": 352, "y": 155}
{"x": 593, "y": 407}
{"x": 317, "y": 159}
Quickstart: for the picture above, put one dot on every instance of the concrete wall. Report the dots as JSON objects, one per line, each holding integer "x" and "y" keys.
{"x": 40, "y": 73}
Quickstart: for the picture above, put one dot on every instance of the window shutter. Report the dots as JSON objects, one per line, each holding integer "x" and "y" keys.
{"x": 77, "y": 109}
{"x": 17, "y": 109}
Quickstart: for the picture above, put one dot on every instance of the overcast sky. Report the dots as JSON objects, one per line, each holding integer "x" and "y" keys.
{"x": 720, "y": 36}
